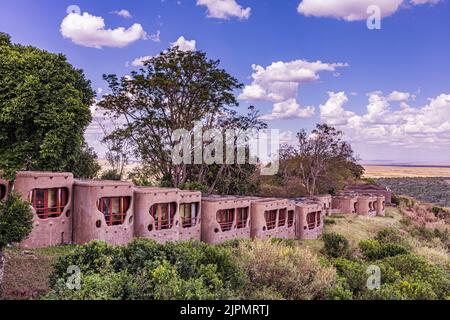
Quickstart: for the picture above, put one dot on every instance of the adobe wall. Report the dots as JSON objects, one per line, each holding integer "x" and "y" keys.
{"x": 371, "y": 189}
{"x": 381, "y": 206}
{"x": 303, "y": 230}
{"x": 193, "y": 232}
{"x": 344, "y": 204}
{"x": 51, "y": 231}
{"x": 259, "y": 227}
{"x": 212, "y": 232}
{"x": 326, "y": 202}
{"x": 89, "y": 223}
{"x": 367, "y": 205}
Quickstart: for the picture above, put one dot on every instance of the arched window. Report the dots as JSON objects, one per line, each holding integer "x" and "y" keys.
{"x": 282, "y": 217}
{"x": 271, "y": 219}
{"x": 189, "y": 213}
{"x": 49, "y": 203}
{"x": 242, "y": 218}
{"x": 114, "y": 209}
{"x": 2, "y": 191}
{"x": 311, "y": 220}
{"x": 164, "y": 215}
{"x": 318, "y": 218}
{"x": 226, "y": 219}
{"x": 290, "y": 218}
{"x": 355, "y": 207}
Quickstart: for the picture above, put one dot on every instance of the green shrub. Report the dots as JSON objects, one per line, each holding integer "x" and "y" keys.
{"x": 335, "y": 245}
{"x": 194, "y": 186}
{"x": 147, "y": 270}
{"x": 292, "y": 273}
{"x": 374, "y": 250}
{"x": 402, "y": 290}
{"x": 354, "y": 273}
{"x": 389, "y": 235}
{"x": 16, "y": 220}
{"x": 111, "y": 175}
{"x": 415, "y": 269}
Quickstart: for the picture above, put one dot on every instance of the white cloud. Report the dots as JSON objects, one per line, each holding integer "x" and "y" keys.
{"x": 422, "y": 127}
{"x": 289, "y": 109}
{"x": 225, "y": 9}
{"x": 279, "y": 83}
{"x": 399, "y": 96}
{"x": 89, "y": 31}
{"x": 139, "y": 62}
{"x": 123, "y": 13}
{"x": 353, "y": 10}
{"x": 419, "y": 2}
{"x": 184, "y": 45}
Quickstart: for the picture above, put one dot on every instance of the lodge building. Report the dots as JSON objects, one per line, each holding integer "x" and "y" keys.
{"x": 67, "y": 210}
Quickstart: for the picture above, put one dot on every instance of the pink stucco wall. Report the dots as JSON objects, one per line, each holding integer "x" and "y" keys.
{"x": 89, "y": 223}
{"x": 303, "y": 230}
{"x": 259, "y": 227}
{"x": 51, "y": 231}
{"x": 211, "y": 230}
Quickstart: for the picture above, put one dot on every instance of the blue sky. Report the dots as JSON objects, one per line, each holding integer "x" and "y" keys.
{"x": 388, "y": 89}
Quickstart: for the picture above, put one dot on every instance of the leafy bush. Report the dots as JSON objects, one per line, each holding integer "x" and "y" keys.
{"x": 194, "y": 186}
{"x": 111, "y": 175}
{"x": 283, "y": 271}
{"x": 354, "y": 273}
{"x": 16, "y": 220}
{"x": 147, "y": 270}
{"x": 415, "y": 269}
{"x": 335, "y": 245}
{"x": 374, "y": 250}
{"x": 389, "y": 235}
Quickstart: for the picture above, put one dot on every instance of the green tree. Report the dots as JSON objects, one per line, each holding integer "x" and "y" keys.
{"x": 85, "y": 165}
{"x": 16, "y": 222}
{"x": 44, "y": 109}
{"x": 174, "y": 90}
{"x": 321, "y": 161}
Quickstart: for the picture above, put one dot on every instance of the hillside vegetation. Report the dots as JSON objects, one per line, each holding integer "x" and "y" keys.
{"x": 410, "y": 246}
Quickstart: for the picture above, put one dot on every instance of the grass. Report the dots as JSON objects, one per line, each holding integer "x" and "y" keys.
{"x": 27, "y": 271}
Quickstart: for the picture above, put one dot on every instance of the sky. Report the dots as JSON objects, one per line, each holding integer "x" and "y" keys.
{"x": 301, "y": 61}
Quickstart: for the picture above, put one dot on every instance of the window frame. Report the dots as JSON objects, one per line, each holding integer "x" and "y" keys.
{"x": 111, "y": 218}
{"x": 41, "y": 203}
{"x": 164, "y": 220}
{"x": 282, "y": 217}
{"x": 225, "y": 218}
{"x": 271, "y": 217}
{"x": 242, "y": 217}
{"x": 190, "y": 222}
{"x": 291, "y": 218}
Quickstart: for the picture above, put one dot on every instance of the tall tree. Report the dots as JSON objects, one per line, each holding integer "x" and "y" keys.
{"x": 172, "y": 91}
{"x": 44, "y": 109}
{"x": 318, "y": 158}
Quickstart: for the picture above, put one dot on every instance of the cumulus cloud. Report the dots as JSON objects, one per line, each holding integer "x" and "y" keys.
{"x": 89, "y": 31}
{"x": 123, "y": 13}
{"x": 408, "y": 127}
{"x": 289, "y": 109}
{"x": 353, "y": 10}
{"x": 225, "y": 9}
{"x": 139, "y": 62}
{"x": 279, "y": 83}
{"x": 185, "y": 45}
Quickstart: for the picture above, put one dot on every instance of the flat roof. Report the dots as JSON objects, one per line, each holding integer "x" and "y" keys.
{"x": 101, "y": 183}
{"x": 34, "y": 174}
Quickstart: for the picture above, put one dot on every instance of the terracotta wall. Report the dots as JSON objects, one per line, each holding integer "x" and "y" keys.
{"x": 304, "y": 229}
{"x": 90, "y": 223}
{"x": 260, "y": 210}
{"x": 212, "y": 232}
{"x": 50, "y": 231}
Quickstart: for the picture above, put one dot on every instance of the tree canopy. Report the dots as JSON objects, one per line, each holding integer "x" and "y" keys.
{"x": 44, "y": 109}
{"x": 174, "y": 90}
